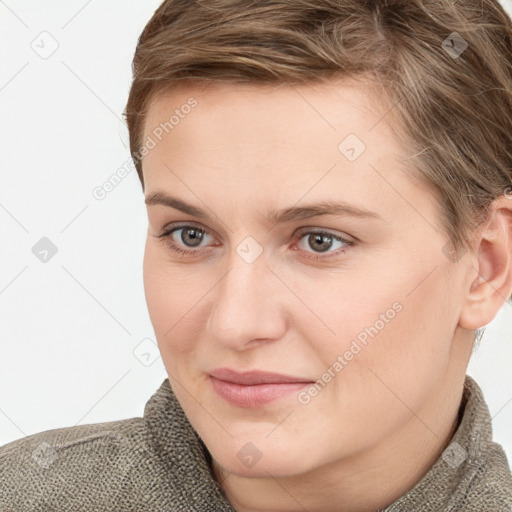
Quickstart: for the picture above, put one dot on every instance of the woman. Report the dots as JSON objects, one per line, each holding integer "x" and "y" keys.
{"x": 329, "y": 197}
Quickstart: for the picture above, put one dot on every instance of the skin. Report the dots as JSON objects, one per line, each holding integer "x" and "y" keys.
{"x": 377, "y": 427}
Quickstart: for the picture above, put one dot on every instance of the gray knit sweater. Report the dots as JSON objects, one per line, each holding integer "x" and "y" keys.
{"x": 158, "y": 463}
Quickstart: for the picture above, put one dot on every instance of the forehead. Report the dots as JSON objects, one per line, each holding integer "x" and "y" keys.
{"x": 333, "y": 140}
{"x": 331, "y": 106}
{"x": 251, "y": 123}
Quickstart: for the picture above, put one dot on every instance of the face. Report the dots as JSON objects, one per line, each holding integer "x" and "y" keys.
{"x": 355, "y": 313}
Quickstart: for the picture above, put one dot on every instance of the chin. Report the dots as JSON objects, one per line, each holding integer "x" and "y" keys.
{"x": 262, "y": 459}
{"x": 262, "y": 469}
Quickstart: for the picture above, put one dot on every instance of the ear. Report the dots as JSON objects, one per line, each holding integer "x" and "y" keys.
{"x": 490, "y": 283}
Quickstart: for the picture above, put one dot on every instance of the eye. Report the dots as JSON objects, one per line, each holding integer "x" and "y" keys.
{"x": 191, "y": 236}
{"x": 323, "y": 241}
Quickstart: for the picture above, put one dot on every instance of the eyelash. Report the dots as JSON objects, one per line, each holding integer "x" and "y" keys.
{"x": 166, "y": 236}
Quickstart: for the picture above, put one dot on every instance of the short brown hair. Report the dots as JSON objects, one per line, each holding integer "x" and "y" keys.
{"x": 452, "y": 102}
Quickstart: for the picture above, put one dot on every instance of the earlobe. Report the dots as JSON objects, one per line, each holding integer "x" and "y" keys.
{"x": 491, "y": 271}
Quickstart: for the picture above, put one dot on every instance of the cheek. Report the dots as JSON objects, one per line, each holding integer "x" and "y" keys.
{"x": 173, "y": 298}
{"x": 405, "y": 359}
{"x": 158, "y": 293}
{"x": 395, "y": 328}
{"x": 392, "y": 372}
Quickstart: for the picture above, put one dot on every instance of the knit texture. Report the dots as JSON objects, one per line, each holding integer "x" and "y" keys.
{"x": 158, "y": 463}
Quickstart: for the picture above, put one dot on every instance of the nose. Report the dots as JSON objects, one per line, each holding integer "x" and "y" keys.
{"x": 248, "y": 305}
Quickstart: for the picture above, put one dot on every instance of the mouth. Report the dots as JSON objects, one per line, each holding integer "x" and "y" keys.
{"x": 255, "y": 388}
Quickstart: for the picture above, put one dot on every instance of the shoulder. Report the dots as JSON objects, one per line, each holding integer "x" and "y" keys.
{"x": 156, "y": 462}
{"x": 55, "y": 469}
{"x": 67, "y": 437}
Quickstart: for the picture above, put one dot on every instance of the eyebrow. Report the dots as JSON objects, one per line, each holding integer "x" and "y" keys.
{"x": 274, "y": 216}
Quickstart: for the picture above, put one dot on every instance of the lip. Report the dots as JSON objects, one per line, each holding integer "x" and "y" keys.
{"x": 254, "y": 388}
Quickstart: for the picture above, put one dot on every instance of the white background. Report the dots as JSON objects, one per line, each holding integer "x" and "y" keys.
{"x": 70, "y": 327}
